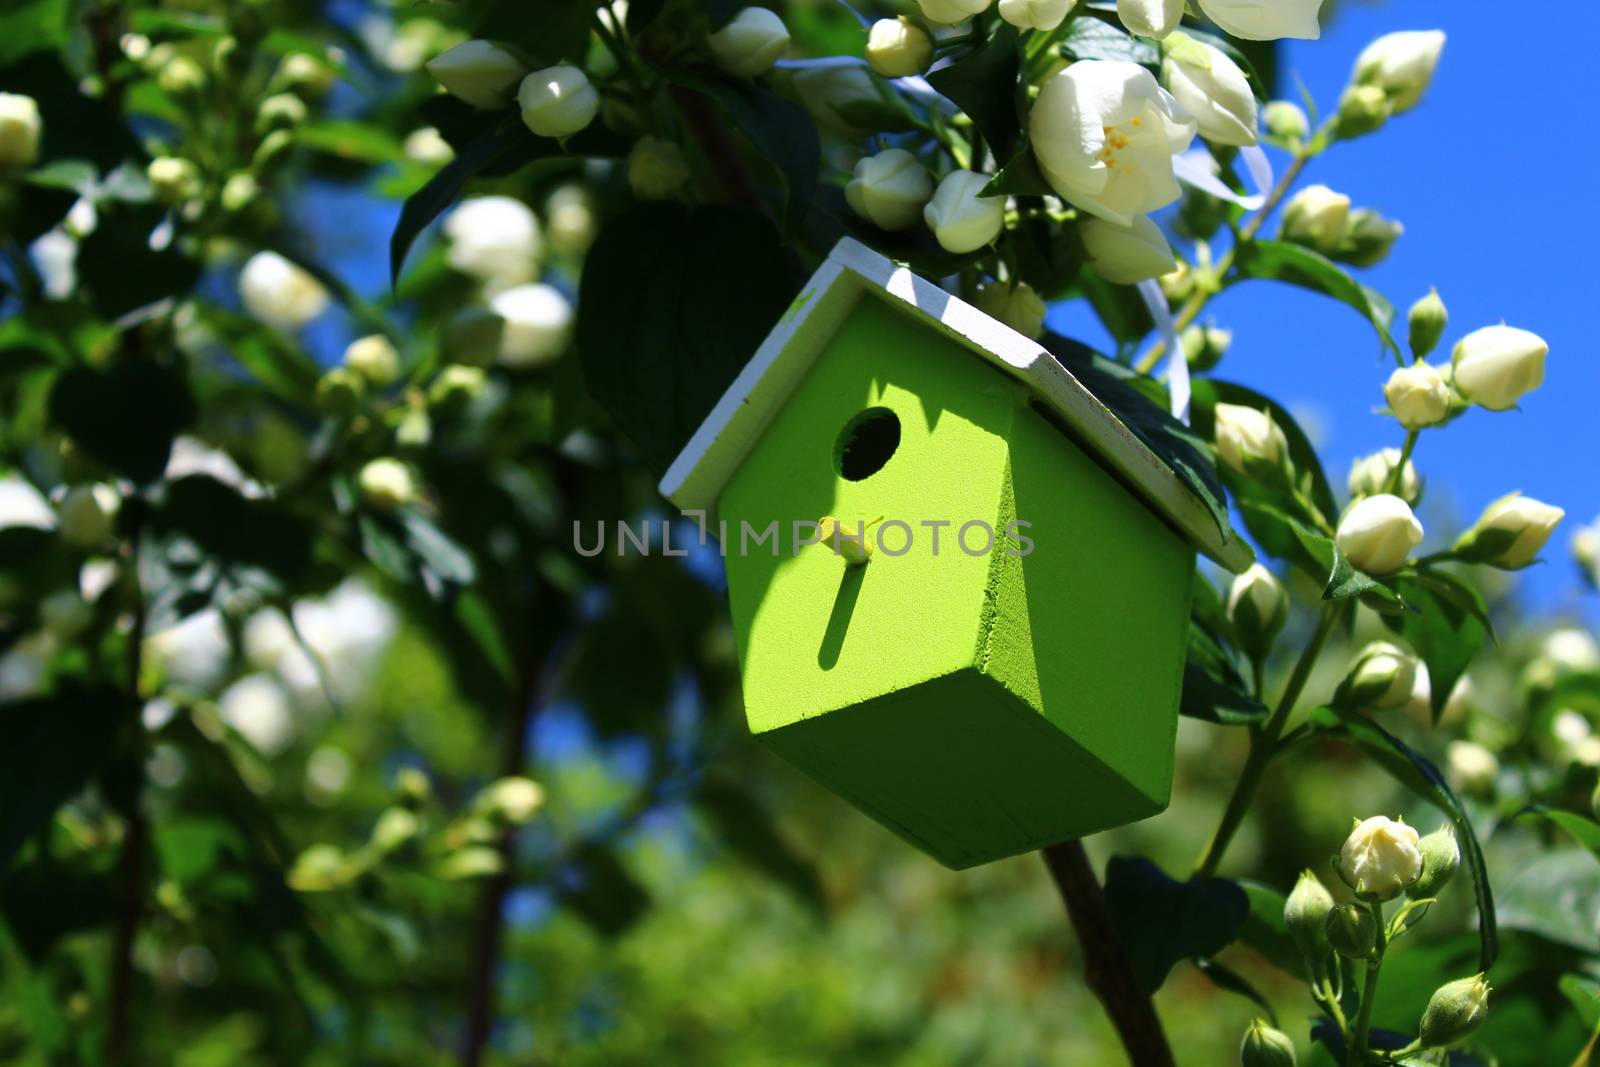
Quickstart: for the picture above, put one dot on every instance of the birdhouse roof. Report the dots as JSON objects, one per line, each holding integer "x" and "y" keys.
{"x": 852, "y": 271}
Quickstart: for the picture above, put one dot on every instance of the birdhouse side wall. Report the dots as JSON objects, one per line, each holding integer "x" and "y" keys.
{"x": 1093, "y": 628}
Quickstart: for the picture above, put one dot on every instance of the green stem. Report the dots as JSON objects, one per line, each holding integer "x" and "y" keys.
{"x": 623, "y": 55}
{"x": 1330, "y": 1000}
{"x": 1198, "y": 300}
{"x": 1264, "y": 744}
{"x": 1397, "y": 475}
{"x": 1369, "y": 992}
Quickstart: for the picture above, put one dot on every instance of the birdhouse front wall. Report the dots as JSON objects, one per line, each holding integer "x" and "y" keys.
{"x": 815, "y": 633}
{"x": 979, "y": 705}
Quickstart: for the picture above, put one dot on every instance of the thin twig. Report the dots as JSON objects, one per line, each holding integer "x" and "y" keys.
{"x": 1264, "y": 744}
{"x": 1200, "y": 297}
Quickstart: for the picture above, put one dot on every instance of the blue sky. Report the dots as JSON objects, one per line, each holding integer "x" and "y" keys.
{"x": 1495, "y": 183}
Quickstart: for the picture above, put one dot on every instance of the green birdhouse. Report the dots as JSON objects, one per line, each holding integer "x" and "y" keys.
{"x": 999, "y": 669}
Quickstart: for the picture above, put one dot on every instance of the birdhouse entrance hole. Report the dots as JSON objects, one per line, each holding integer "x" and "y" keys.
{"x": 867, "y": 443}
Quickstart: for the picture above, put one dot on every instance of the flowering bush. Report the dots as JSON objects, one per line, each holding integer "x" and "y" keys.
{"x": 323, "y": 746}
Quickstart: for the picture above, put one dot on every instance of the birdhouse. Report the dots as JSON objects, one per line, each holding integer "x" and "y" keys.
{"x": 999, "y": 669}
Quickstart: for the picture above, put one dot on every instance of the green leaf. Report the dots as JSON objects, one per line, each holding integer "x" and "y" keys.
{"x": 1584, "y": 993}
{"x": 621, "y": 673}
{"x": 1226, "y": 978}
{"x": 54, "y": 745}
{"x": 1160, "y": 920}
{"x": 1090, "y": 38}
{"x": 346, "y": 139}
{"x": 1265, "y": 931}
{"x": 74, "y": 124}
{"x": 1344, "y": 581}
{"x": 1214, "y": 687}
{"x": 234, "y": 528}
{"x": 495, "y": 147}
{"x": 1287, "y": 538}
{"x": 744, "y": 825}
{"x": 33, "y": 26}
{"x": 119, "y": 268}
{"x": 1447, "y": 628}
{"x": 983, "y": 83}
{"x": 1020, "y": 177}
{"x": 664, "y": 326}
{"x": 1584, "y": 830}
{"x": 604, "y": 893}
{"x": 1553, "y": 894}
{"x": 1421, "y": 777}
{"x": 1297, "y": 265}
{"x": 561, "y": 28}
{"x": 443, "y": 557}
{"x": 126, "y": 416}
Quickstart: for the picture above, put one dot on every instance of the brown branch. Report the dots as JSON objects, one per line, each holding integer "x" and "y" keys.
{"x": 489, "y": 925}
{"x": 716, "y": 144}
{"x": 1109, "y": 975}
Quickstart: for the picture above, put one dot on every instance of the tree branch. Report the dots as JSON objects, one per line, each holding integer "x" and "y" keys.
{"x": 489, "y": 925}
{"x": 130, "y": 865}
{"x": 1107, "y": 970}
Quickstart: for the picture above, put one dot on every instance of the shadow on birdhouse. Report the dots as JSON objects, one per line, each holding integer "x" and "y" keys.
{"x": 960, "y": 586}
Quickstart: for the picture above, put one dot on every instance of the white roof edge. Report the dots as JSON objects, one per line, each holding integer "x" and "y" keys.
{"x": 727, "y": 434}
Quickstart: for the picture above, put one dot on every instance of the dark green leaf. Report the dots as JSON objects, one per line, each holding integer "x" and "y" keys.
{"x": 48, "y": 898}
{"x": 1020, "y": 177}
{"x": 1287, "y": 538}
{"x": 1214, "y": 687}
{"x": 744, "y": 825}
{"x": 1090, "y": 38}
{"x": 983, "y": 83}
{"x": 53, "y": 746}
{"x": 562, "y": 34}
{"x": 1447, "y": 628}
{"x": 1264, "y": 929}
{"x": 1419, "y": 775}
{"x": 603, "y": 892}
{"x": 664, "y": 327}
{"x": 1232, "y": 981}
{"x": 234, "y": 528}
{"x": 126, "y": 416}
{"x": 75, "y": 124}
{"x": 1160, "y": 921}
{"x": 1284, "y": 262}
{"x": 1344, "y": 581}
{"x": 621, "y": 673}
{"x": 119, "y": 268}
